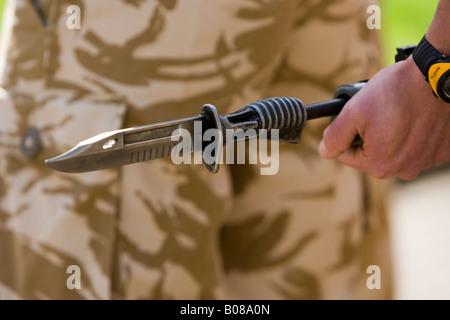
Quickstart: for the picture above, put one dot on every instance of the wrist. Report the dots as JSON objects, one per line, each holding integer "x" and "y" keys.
{"x": 441, "y": 44}
{"x": 412, "y": 82}
{"x": 439, "y": 29}
{"x": 435, "y": 67}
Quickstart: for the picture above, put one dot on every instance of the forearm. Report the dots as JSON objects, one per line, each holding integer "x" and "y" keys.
{"x": 438, "y": 33}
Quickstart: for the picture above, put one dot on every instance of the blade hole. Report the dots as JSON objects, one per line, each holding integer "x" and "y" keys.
{"x": 110, "y": 143}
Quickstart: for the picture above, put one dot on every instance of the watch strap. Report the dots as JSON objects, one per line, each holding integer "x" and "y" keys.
{"x": 425, "y": 55}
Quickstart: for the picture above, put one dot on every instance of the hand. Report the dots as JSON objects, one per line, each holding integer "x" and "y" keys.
{"x": 404, "y": 127}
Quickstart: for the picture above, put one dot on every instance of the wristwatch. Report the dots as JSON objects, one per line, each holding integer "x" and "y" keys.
{"x": 435, "y": 67}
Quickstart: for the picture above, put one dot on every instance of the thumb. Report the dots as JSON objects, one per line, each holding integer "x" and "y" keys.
{"x": 338, "y": 136}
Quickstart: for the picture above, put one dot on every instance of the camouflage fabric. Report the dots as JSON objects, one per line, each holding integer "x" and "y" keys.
{"x": 156, "y": 230}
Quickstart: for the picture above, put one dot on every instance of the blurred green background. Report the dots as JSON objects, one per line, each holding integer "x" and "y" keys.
{"x": 2, "y": 4}
{"x": 403, "y": 22}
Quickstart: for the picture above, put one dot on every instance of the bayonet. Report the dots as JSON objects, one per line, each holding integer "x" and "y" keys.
{"x": 132, "y": 145}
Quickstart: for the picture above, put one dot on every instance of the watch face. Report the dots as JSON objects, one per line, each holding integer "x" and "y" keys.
{"x": 446, "y": 87}
{"x": 443, "y": 86}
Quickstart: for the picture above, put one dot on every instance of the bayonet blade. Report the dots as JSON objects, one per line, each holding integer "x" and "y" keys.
{"x": 122, "y": 147}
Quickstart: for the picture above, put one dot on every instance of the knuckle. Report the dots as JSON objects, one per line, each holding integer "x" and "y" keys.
{"x": 408, "y": 175}
{"x": 380, "y": 175}
{"x": 411, "y": 169}
{"x": 382, "y": 172}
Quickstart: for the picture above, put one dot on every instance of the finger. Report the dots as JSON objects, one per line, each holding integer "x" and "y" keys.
{"x": 357, "y": 158}
{"x": 354, "y": 157}
{"x": 338, "y": 136}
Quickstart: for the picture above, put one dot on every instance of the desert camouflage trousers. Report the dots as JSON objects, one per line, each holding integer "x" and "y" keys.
{"x": 156, "y": 230}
